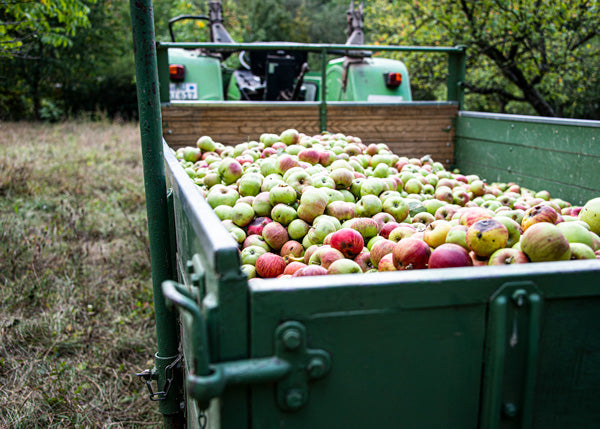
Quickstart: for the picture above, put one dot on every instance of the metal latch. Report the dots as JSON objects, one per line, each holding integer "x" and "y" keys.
{"x": 292, "y": 367}
{"x": 512, "y": 352}
{"x": 147, "y": 376}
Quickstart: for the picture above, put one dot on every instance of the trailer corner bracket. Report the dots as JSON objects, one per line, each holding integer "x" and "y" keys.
{"x": 292, "y": 367}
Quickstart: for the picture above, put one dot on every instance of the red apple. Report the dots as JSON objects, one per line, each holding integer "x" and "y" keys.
{"x": 324, "y": 256}
{"x": 292, "y": 248}
{"x": 380, "y": 249}
{"x": 508, "y": 256}
{"x": 363, "y": 259}
{"x": 310, "y": 270}
{"x": 449, "y": 255}
{"x": 270, "y": 265}
{"x": 275, "y": 234}
{"x": 293, "y": 266}
{"x": 538, "y": 213}
{"x": 257, "y": 224}
{"x": 348, "y": 241}
{"x": 411, "y": 254}
{"x": 387, "y": 263}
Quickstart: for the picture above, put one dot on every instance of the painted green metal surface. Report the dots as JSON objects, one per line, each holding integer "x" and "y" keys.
{"x": 561, "y": 156}
{"x": 200, "y": 69}
{"x": 156, "y": 200}
{"x": 365, "y": 81}
{"x": 410, "y": 349}
{"x": 223, "y": 294}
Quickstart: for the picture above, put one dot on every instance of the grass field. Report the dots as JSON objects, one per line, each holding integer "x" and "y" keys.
{"x": 76, "y": 315}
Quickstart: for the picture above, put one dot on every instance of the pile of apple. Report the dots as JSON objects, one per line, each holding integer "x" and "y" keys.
{"x": 301, "y": 205}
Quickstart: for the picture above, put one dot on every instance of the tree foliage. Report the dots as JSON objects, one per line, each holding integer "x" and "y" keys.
{"x": 25, "y": 23}
{"x": 538, "y": 56}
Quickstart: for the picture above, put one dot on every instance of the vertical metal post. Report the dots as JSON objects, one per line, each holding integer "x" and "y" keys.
{"x": 162, "y": 61}
{"x": 323, "y": 106}
{"x": 456, "y": 76}
{"x": 144, "y": 45}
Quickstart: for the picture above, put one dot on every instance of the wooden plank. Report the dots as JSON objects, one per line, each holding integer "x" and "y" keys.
{"x": 408, "y": 129}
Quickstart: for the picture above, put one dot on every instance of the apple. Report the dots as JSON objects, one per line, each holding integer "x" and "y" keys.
{"x": 379, "y": 249}
{"x": 372, "y": 186}
{"x": 223, "y": 211}
{"x": 411, "y": 254}
{"x": 249, "y": 271}
{"x": 397, "y": 207}
{"x": 366, "y": 226}
{"x": 446, "y": 211}
{"x": 473, "y": 214}
{"x": 324, "y": 256}
{"x": 290, "y": 136}
{"x": 284, "y": 214}
{"x": 344, "y": 266}
{"x": 486, "y": 236}
{"x": 387, "y": 228}
{"x": 310, "y": 155}
{"x": 341, "y": 210}
{"x": 508, "y": 256}
{"x": 574, "y": 232}
{"x": 297, "y": 229}
{"x": 348, "y": 241}
{"x": 368, "y": 205}
{"x": 402, "y": 231}
{"x": 230, "y": 170}
{"x": 206, "y": 144}
{"x": 250, "y": 254}
{"x": 298, "y": 180}
{"x": 457, "y": 234}
{"x": 313, "y": 202}
{"x": 581, "y": 251}
{"x": 310, "y": 270}
{"x": 242, "y": 214}
{"x": 222, "y": 195}
{"x": 363, "y": 259}
{"x": 513, "y": 228}
{"x": 449, "y": 255}
{"x": 538, "y": 213}
{"x": 257, "y": 224}
{"x": 261, "y": 205}
{"x": 320, "y": 230}
{"x": 543, "y": 241}
{"x": 342, "y": 177}
{"x": 282, "y": 193}
{"x": 275, "y": 235}
{"x": 269, "y": 265}
{"x": 293, "y": 266}
{"x": 590, "y": 214}
{"x": 423, "y": 217}
{"x": 255, "y": 240}
{"x": 386, "y": 263}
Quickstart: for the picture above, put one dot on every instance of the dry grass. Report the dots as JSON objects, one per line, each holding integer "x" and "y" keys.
{"x": 76, "y": 316}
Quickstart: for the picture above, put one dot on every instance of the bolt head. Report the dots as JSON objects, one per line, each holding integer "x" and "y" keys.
{"x": 294, "y": 399}
{"x": 292, "y": 338}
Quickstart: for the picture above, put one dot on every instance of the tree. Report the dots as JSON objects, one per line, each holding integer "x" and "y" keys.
{"x": 26, "y": 23}
{"x": 537, "y": 56}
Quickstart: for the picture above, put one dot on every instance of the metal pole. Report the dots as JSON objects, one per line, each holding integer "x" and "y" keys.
{"x": 456, "y": 76}
{"x": 144, "y": 46}
{"x": 323, "y": 95}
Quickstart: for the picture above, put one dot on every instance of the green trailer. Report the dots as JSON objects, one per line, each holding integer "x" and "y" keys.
{"x": 489, "y": 347}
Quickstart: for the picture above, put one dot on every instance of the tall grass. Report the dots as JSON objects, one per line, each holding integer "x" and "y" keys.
{"x": 76, "y": 315}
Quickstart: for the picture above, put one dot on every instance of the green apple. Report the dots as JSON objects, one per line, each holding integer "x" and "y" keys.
{"x": 590, "y": 214}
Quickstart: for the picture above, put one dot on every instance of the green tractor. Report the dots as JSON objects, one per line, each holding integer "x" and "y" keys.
{"x": 274, "y": 74}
